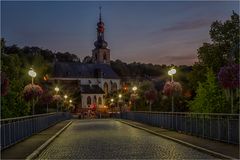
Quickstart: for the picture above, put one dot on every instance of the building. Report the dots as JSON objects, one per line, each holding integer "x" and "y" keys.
{"x": 91, "y": 81}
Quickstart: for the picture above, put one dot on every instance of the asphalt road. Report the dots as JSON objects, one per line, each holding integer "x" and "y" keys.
{"x": 109, "y": 139}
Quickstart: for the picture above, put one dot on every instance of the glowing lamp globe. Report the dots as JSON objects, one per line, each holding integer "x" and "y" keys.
{"x": 56, "y": 89}
{"x": 134, "y": 88}
{"x": 32, "y": 73}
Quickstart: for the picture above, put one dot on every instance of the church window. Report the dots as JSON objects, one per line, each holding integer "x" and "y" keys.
{"x": 105, "y": 86}
{"x": 99, "y": 100}
{"x": 89, "y": 100}
{"x": 104, "y": 56}
{"x": 113, "y": 86}
{"x": 94, "y": 99}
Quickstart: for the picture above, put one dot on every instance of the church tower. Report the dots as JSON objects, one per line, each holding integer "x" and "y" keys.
{"x": 100, "y": 54}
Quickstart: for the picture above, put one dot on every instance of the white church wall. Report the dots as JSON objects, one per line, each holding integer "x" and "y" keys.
{"x": 85, "y": 96}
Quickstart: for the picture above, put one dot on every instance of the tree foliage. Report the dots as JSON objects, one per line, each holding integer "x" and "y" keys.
{"x": 224, "y": 48}
{"x": 210, "y": 98}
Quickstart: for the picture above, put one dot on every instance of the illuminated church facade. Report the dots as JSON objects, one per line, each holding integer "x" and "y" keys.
{"x": 92, "y": 81}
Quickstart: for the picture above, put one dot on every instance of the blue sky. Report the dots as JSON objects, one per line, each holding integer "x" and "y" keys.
{"x": 150, "y": 32}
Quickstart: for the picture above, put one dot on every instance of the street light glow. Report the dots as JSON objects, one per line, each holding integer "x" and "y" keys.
{"x": 134, "y": 88}
{"x": 65, "y": 96}
{"x": 120, "y": 96}
{"x": 70, "y": 101}
{"x": 56, "y": 89}
{"x": 172, "y": 72}
{"x": 112, "y": 100}
{"x": 32, "y": 73}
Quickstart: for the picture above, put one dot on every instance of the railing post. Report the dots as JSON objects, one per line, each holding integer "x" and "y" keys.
{"x": 228, "y": 128}
{"x": 203, "y": 126}
{"x": 218, "y": 128}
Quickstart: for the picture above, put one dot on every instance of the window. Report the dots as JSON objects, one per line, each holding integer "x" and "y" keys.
{"x": 105, "y": 86}
{"x": 104, "y": 56}
{"x": 99, "y": 100}
{"x": 94, "y": 99}
{"x": 89, "y": 100}
{"x": 114, "y": 86}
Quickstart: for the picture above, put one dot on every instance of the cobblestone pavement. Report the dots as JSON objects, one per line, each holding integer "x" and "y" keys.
{"x": 109, "y": 139}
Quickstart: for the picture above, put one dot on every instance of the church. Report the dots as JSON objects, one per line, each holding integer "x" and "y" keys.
{"x": 93, "y": 81}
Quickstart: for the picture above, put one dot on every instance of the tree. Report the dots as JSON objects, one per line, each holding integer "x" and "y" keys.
{"x": 209, "y": 98}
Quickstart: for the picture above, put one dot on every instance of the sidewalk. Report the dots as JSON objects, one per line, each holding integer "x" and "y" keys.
{"x": 23, "y": 149}
{"x": 219, "y": 149}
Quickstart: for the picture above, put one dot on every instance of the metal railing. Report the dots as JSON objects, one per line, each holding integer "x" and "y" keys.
{"x": 215, "y": 126}
{"x": 14, "y": 130}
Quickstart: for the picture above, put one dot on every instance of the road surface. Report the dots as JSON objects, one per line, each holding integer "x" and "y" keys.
{"x": 109, "y": 139}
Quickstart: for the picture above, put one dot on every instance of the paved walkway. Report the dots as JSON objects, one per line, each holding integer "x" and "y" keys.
{"x": 215, "y": 146}
{"x": 24, "y": 148}
{"x": 110, "y": 139}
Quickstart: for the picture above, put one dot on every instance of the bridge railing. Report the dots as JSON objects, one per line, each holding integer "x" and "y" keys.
{"x": 215, "y": 126}
{"x": 14, "y": 130}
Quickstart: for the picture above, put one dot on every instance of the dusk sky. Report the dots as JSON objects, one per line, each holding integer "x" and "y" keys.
{"x": 148, "y": 32}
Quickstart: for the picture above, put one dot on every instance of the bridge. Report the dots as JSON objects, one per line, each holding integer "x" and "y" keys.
{"x": 129, "y": 135}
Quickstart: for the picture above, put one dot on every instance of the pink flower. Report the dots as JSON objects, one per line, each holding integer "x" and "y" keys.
{"x": 57, "y": 98}
{"x": 32, "y": 91}
{"x": 171, "y": 88}
{"x": 151, "y": 95}
{"x": 228, "y": 76}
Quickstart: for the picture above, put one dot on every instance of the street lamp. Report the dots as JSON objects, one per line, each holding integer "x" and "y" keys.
{"x": 119, "y": 106}
{"x": 134, "y": 91}
{"x": 70, "y": 101}
{"x": 65, "y": 96}
{"x": 56, "y": 89}
{"x": 32, "y": 74}
{"x": 171, "y": 72}
{"x": 112, "y": 100}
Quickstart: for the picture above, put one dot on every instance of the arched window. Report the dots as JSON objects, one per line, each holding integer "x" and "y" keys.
{"x": 99, "y": 100}
{"x": 104, "y": 56}
{"x": 114, "y": 87}
{"x": 89, "y": 100}
{"x": 95, "y": 99}
{"x": 105, "y": 86}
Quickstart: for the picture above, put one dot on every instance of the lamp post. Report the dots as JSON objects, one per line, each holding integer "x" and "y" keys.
{"x": 119, "y": 106}
{"x": 65, "y": 97}
{"x": 32, "y": 74}
{"x": 112, "y": 100}
{"x": 134, "y": 91}
{"x": 171, "y": 72}
{"x": 57, "y": 90}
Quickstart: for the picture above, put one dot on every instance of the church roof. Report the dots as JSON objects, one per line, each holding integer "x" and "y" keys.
{"x": 93, "y": 89}
{"x": 82, "y": 70}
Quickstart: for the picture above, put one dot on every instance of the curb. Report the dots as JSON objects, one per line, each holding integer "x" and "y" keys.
{"x": 213, "y": 153}
{"x": 44, "y": 145}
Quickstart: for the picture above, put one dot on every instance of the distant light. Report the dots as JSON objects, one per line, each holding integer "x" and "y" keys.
{"x": 112, "y": 100}
{"x": 134, "y": 88}
{"x": 65, "y": 96}
{"x": 56, "y": 89}
{"x": 70, "y": 101}
{"x": 32, "y": 73}
{"x": 120, "y": 96}
{"x": 172, "y": 72}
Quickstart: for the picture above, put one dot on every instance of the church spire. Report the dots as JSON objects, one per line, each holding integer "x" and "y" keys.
{"x": 101, "y": 53}
{"x": 100, "y": 43}
{"x": 100, "y": 14}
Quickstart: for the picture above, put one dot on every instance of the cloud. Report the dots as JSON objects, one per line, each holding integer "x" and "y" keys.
{"x": 188, "y": 25}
